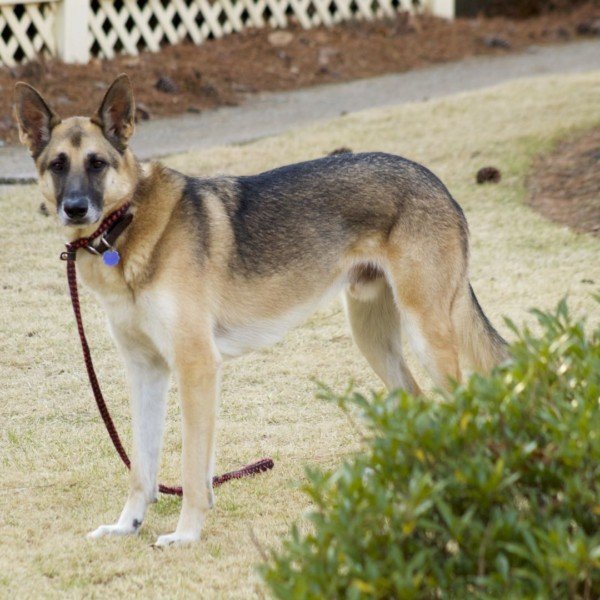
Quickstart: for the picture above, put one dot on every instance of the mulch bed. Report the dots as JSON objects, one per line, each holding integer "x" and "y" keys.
{"x": 565, "y": 184}
{"x": 224, "y": 72}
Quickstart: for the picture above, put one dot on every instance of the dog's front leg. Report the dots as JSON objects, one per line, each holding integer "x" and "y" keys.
{"x": 148, "y": 376}
{"x": 198, "y": 379}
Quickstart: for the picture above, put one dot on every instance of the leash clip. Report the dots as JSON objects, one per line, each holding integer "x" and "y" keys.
{"x": 69, "y": 254}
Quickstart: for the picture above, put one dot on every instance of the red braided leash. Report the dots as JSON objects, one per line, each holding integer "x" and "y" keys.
{"x": 70, "y": 256}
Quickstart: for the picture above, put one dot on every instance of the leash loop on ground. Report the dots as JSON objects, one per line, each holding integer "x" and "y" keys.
{"x": 70, "y": 257}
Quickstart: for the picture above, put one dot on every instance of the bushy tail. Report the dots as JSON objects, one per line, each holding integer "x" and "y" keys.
{"x": 479, "y": 343}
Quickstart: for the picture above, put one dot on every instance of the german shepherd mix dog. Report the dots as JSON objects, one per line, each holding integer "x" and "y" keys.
{"x": 215, "y": 267}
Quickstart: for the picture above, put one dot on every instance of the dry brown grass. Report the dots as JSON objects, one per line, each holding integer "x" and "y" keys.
{"x": 60, "y": 475}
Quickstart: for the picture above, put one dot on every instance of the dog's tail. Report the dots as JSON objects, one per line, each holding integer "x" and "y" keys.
{"x": 479, "y": 343}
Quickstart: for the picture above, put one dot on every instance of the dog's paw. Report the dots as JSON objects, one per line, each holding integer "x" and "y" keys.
{"x": 175, "y": 539}
{"x": 116, "y": 529}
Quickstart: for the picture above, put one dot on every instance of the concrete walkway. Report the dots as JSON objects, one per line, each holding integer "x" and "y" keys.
{"x": 273, "y": 113}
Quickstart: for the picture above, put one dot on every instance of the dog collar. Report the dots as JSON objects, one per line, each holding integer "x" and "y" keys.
{"x": 108, "y": 231}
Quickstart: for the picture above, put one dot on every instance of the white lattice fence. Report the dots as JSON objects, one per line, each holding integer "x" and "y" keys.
{"x": 26, "y": 30}
{"x": 132, "y": 25}
{"x": 75, "y": 30}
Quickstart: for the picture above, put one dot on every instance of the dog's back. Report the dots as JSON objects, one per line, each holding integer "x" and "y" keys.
{"x": 291, "y": 215}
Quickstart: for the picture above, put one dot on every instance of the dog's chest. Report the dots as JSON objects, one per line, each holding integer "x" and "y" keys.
{"x": 100, "y": 278}
{"x": 143, "y": 323}
{"x": 137, "y": 320}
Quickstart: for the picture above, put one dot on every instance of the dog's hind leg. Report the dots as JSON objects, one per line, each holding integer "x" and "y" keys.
{"x": 432, "y": 337}
{"x": 375, "y": 323}
{"x": 148, "y": 376}
{"x": 426, "y": 279}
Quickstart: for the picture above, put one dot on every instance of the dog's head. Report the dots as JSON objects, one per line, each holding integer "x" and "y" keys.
{"x": 84, "y": 166}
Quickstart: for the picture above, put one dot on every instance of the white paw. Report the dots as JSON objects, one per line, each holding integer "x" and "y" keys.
{"x": 175, "y": 539}
{"x": 111, "y": 530}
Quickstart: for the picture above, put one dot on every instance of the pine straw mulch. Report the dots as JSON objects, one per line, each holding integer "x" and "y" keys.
{"x": 564, "y": 185}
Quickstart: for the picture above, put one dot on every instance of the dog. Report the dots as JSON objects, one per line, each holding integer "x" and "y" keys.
{"x": 212, "y": 268}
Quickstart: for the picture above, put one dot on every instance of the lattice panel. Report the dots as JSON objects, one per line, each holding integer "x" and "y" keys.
{"x": 26, "y": 31}
{"x": 129, "y": 26}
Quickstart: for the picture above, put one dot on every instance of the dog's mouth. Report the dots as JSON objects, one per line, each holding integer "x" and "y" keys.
{"x": 76, "y": 222}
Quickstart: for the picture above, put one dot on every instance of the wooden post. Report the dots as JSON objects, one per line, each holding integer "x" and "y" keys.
{"x": 72, "y": 31}
{"x": 442, "y": 8}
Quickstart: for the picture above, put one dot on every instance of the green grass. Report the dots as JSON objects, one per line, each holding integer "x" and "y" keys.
{"x": 60, "y": 475}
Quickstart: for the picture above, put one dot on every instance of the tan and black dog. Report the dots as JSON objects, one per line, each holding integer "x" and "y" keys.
{"x": 215, "y": 267}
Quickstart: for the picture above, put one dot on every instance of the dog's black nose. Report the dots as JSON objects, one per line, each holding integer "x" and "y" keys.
{"x": 75, "y": 207}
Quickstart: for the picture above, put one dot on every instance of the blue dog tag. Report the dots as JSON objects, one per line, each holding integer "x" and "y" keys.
{"x": 111, "y": 258}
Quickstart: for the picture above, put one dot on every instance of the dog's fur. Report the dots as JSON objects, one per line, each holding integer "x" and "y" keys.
{"x": 212, "y": 268}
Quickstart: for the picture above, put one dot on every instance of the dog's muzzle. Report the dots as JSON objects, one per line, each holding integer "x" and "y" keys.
{"x": 78, "y": 210}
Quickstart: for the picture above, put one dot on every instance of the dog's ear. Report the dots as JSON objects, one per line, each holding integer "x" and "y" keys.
{"x": 116, "y": 115}
{"x": 34, "y": 118}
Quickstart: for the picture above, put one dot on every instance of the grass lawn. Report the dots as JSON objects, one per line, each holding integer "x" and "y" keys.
{"x": 60, "y": 475}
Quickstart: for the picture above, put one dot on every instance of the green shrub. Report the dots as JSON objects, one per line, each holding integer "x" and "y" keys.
{"x": 493, "y": 492}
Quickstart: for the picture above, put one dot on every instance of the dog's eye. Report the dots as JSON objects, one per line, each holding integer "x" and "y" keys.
{"x": 97, "y": 164}
{"x": 58, "y": 165}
